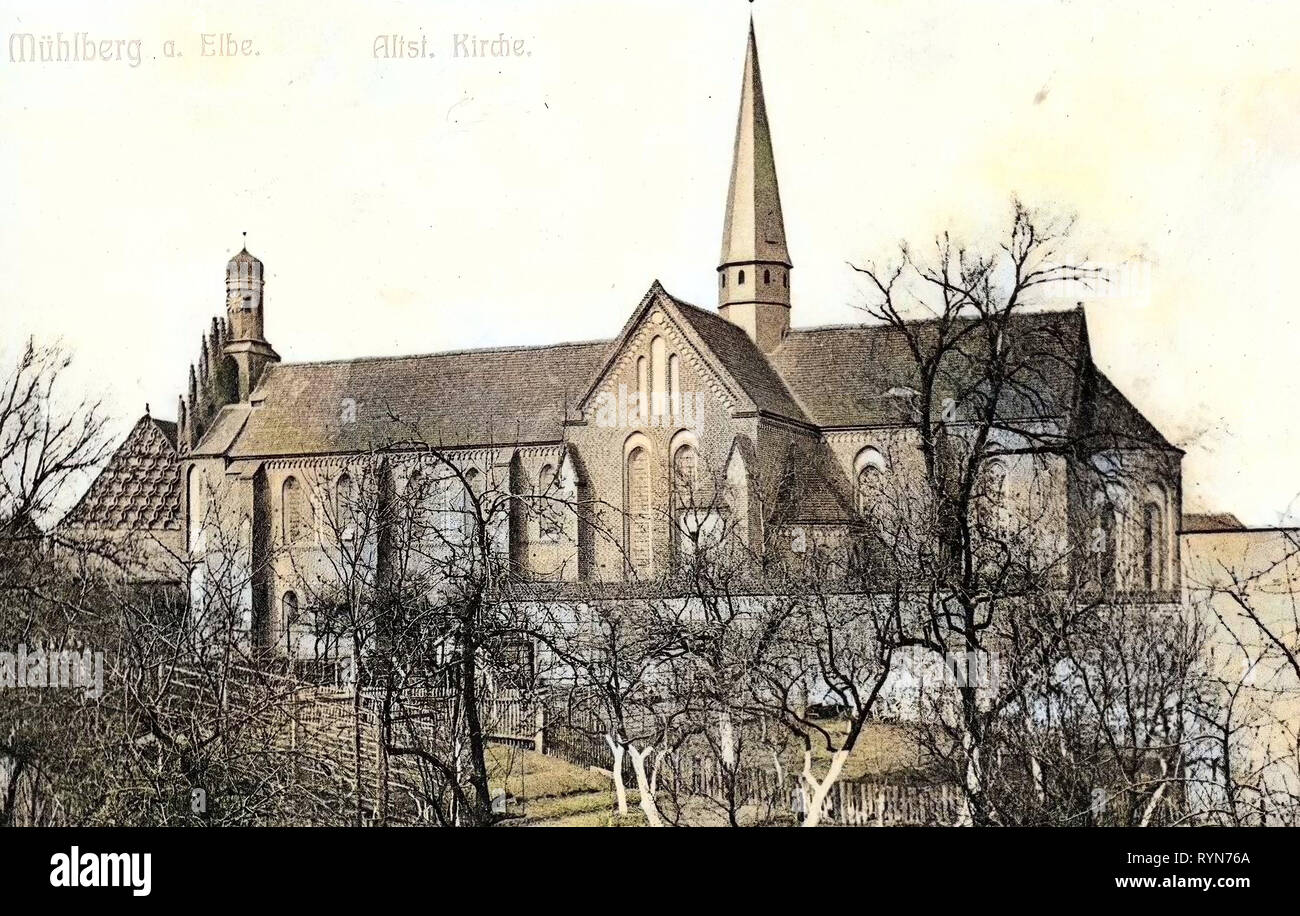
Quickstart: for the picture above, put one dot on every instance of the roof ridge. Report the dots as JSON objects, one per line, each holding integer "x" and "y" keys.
{"x": 872, "y": 325}
{"x": 718, "y": 318}
{"x": 519, "y": 348}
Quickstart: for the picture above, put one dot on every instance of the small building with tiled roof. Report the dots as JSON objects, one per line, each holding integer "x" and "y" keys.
{"x": 131, "y": 514}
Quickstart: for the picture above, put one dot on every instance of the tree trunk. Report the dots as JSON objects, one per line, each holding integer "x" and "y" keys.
{"x": 619, "y": 791}
{"x": 478, "y": 775}
{"x": 648, "y": 804}
{"x": 976, "y": 811}
{"x": 820, "y": 789}
{"x": 356, "y": 736}
{"x": 1159, "y": 792}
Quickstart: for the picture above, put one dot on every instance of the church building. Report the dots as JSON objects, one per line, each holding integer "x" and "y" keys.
{"x": 691, "y": 420}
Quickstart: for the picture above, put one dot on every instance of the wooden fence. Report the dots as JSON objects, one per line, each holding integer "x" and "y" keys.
{"x": 850, "y": 803}
{"x": 321, "y": 725}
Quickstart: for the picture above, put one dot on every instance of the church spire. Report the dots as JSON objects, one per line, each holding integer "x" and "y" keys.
{"x": 754, "y": 275}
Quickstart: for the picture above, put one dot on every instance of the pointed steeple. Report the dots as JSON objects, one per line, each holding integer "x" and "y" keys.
{"x": 754, "y": 275}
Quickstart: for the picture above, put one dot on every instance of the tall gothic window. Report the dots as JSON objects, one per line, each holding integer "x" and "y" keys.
{"x": 346, "y": 511}
{"x": 642, "y": 388}
{"x": 194, "y": 509}
{"x": 638, "y": 521}
{"x": 868, "y": 487}
{"x": 468, "y": 514}
{"x": 990, "y": 494}
{"x": 870, "y": 466}
{"x": 1101, "y": 541}
{"x": 1153, "y": 553}
{"x": 293, "y": 508}
{"x": 698, "y": 528}
{"x": 550, "y": 524}
{"x": 658, "y": 377}
{"x": 684, "y": 468}
{"x": 674, "y": 386}
{"x": 289, "y": 616}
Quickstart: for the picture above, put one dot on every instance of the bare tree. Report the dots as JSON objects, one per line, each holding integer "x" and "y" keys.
{"x": 982, "y": 587}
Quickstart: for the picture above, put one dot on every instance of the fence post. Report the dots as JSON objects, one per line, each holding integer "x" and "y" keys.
{"x": 539, "y": 733}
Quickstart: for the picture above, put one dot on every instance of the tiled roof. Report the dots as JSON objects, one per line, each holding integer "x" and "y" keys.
{"x": 857, "y": 375}
{"x": 140, "y": 487}
{"x": 475, "y": 397}
{"x": 813, "y": 488}
{"x": 1116, "y": 423}
{"x": 1211, "y": 521}
{"x": 745, "y": 361}
{"x": 860, "y": 375}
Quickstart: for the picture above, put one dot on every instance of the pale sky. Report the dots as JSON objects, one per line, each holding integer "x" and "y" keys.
{"x": 416, "y": 205}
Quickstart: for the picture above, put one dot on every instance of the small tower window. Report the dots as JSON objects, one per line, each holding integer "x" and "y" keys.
{"x": 722, "y": 277}
{"x": 785, "y": 280}
{"x": 741, "y": 279}
{"x": 767, "y": 277}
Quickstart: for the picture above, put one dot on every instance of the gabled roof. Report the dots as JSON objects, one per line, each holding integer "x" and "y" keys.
{"x": 845, "y": 376}
{"x": 739, "y": 363}
{"x": 745, "y": 362}
{"x": 862, "y": 375}
{"x": 1113, "y": 421}
{"x": 464, "y": 398}
{"x": 1198, "y": 523}
{"x": 139, "y": 488}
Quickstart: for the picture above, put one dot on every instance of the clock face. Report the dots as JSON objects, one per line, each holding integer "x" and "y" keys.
{"x": 239, "y": 301}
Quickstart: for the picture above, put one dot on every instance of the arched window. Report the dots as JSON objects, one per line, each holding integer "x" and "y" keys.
{"x": 642, "y": 388}
{"x": 194, "y": 509}
{"x": 767, "y": 277}
{"x": 674, "y": 386}
{"x": 869, "y": 469}
{"x": 550, "y": 525}
{"x": 637, "y": 522}
{"x": 868, "y": 488}
{"x": 1101, "y": 541}
{"x": 658, "y": 377}
{"x": 415, "y": 498}
{"x": 992, "y": 485}
{"x": 1153, "y": 548}
{"x": 243, "y": 569}
{"x": 293, "y": 509}
{"x": 684, "y": 468}
{"x": 198, "y": 588}
{"x": 289, "y": 615}
{"x": 468, "y": 514}
{"x": 741, "y": 279}
{"x": 347, "y": 511}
